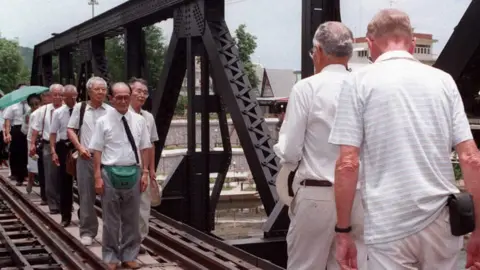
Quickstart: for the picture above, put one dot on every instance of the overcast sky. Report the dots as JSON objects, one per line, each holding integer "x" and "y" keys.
{"x": 276, "y": 23}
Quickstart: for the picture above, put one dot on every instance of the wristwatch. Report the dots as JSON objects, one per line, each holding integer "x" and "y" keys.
{"x": 343, "y": 230}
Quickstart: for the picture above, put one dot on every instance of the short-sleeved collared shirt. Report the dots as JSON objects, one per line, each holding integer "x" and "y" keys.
{"x": 111, "y": 139}
{"x": 89, "y": 120}
{"x": 405, "y": 117}
{"x": 151, "y": 126}
{"x": 15, "y": 113}
{"x": 60, "y": 119}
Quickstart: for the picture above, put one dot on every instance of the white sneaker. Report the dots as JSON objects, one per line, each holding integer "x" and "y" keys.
{"x": 86, "y": 240}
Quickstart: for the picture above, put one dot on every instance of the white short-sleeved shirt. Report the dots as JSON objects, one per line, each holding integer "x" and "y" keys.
{"x": 15, "y": 113}
{"x": 151, "y": 126}
{"x": 60, "y": 119}
{"x": 304, "y": 132}
{"x": 43, "y": 123}
{"x": 32, "y": 118}
{"x": 111, "y": 139}
{"x": 90, "y": 119}
{"x": 405, "y": 117}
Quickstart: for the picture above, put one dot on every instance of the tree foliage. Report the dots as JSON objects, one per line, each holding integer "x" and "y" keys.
{"x": 12, "y": 68}
{"x": 154, "y": 48}
{"x": 247, "y": 44}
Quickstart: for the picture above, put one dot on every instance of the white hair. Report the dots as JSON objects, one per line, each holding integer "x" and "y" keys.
{"x": 70, "y": 88}
{"x": 335, "y": 39}
{"x": 94, "y": 80}
{"x": 55, "y": 86}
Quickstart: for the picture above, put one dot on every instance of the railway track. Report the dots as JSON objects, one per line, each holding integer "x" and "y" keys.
{"x": 29, "y": 239}
{"x": 171, "y": 242}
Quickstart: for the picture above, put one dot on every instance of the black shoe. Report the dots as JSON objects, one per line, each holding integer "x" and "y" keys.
{"x": 54, "y": 212}
{"x": 19, "y": 184}
{"x": 65, "y": 223}
{"x": 142, "y": 250}
{"x": 43, "y": 202}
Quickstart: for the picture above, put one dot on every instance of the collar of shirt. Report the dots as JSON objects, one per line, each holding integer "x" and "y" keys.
{"x": 335, "y": 68}
{"x": 119, "y": 116}
{"x": 103, "y": 106}
{"x": 395, "y": 55}
{"x": 133, "y": 110}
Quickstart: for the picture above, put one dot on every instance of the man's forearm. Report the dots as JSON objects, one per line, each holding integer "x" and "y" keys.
{"x": 151, "y": 157}
{"x": 97, "y": 161}
{"x": 469, "y": 158}
{"x": 145, "y": 161}
{"x": 7, "y": 127}
{"x": 34, "y": 136}
{"x": 346, "y": 178}
{"x": 72, "y": 136}
{"x": 53, "y": 139}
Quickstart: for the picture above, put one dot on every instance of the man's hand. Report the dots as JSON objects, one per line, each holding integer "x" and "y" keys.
{"x": 84, "y": 153}
{"x": 346, "y": 253}
{"x": 7, "y": 138}
{"x": 144, "y": 181}
{"x": 473, "y": 251}
{"x": 55, "y": 159}
{"x": 99, "y": 185}
{"x": 33, "y": 149}
{"x": 153, "y": 176}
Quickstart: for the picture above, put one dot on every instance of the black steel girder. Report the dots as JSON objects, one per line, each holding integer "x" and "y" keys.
{"x": 461, "y": 57}
{"x": 143, "y": 12}
{"x": 314, "y": 13}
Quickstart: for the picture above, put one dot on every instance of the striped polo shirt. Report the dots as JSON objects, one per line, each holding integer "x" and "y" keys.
{"x": 405, "y": 117}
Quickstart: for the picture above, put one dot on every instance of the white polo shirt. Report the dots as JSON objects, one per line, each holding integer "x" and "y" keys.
{"x": 405, "y": 117}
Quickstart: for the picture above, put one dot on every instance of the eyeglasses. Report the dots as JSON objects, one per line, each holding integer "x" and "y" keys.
{"x": 141, "y": 93}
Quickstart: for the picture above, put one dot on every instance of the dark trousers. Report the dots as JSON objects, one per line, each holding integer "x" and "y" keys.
{"x": 18, "y": 154}
{"x": 65, "y": 181}
{"x": 41, "y": 177}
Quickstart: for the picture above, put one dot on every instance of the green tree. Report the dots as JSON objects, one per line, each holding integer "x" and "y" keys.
{"x": 154, "y": 48}
{"x": 247, "y": 44}
{"x": 12, "y": 68}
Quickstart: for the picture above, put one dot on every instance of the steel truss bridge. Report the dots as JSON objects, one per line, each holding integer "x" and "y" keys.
{"x": 200, "y": 30}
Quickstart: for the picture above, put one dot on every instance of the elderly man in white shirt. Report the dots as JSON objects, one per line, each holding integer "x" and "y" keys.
{"x": 14, "y": 118}
{"x": 59, "y": 146}
{"x": 303, "y": 142}
{"x": 139, "y": 96}
{"x": 401, "y": 118}
{"x": 120, "y": 143}
{"x": 83, "y": 122}
{"x": 41, "y": 128}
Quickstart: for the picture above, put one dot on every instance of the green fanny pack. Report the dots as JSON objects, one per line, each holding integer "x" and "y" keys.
{"x": 122, "y": 177}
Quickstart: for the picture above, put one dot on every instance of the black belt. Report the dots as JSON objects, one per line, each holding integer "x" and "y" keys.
{"x": 46, "y": 141}
{"x": 316, "y": 183}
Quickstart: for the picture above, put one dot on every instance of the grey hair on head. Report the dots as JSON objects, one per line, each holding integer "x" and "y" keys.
{"x": 335, "y": 39}
{"x": 70, "y": 88}
{"x": 94, "y": 80}
{"x": 55, "y": 86}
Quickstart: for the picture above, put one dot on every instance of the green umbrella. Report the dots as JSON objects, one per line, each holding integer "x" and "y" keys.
{"x": 20, "y": 95}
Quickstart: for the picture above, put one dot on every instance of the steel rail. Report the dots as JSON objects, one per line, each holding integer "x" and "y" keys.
{"x": 185, "y": 249}
{"x": 70, "y": 251}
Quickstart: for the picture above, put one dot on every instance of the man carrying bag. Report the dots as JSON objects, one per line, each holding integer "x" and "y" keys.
{"x": 119, "y": 138}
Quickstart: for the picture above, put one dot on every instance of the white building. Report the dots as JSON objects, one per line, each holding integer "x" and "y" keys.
{"x": 423, "y": 51}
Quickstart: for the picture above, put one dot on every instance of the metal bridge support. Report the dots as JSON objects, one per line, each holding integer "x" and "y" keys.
{"x": 46, "y": 70}
{"x": 200, "y": 31}
{"x": 66, "y": 66}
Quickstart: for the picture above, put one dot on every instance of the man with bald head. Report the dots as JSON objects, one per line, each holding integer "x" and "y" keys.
{"x": 401, "y": 118}
{"x": 120, "y": 146}
{"x": 303, "y": 143}
{"x": 41, "y": 130}
{"x": 59, "y": 147}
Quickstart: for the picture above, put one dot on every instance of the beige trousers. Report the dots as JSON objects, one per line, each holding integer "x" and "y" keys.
{"x": 311, "y": 235}
{"x": 145, "y": 205}
{"x": 433, "y": 248}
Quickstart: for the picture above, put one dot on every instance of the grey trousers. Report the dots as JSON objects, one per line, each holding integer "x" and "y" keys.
{"x": 86, "y": 191}
{"x": 121, "y": 213}
{"x": 52, "y": 187}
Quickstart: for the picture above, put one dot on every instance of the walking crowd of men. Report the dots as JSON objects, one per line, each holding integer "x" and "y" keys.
{"x": 107, "y": 149}
{"x": 371, "y": 152}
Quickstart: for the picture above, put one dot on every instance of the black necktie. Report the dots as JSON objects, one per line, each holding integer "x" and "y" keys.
{"x": 70, "y": 111}
{"x": 130, "y": 138}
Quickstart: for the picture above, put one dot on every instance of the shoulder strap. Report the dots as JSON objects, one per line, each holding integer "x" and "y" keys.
{"x": 82, "y": 114}
{"x": 131, "y": 140}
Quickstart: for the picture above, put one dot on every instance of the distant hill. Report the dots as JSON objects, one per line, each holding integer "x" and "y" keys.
{"x": 27, "y": 55}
